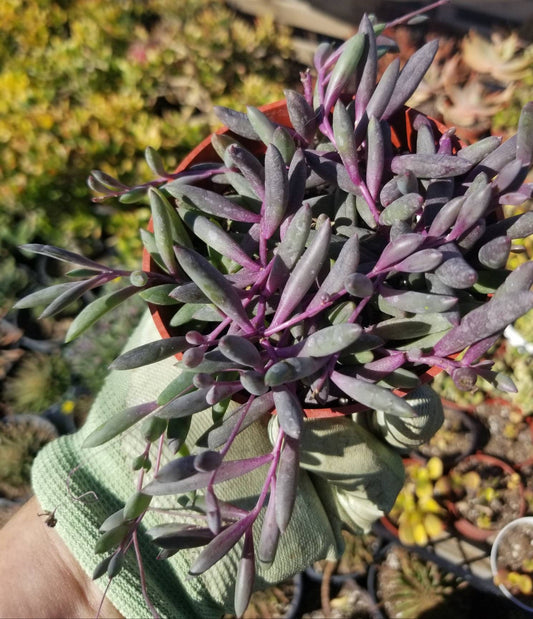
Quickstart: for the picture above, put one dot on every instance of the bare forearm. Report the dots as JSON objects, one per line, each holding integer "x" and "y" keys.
{"x": 39, "y": 577}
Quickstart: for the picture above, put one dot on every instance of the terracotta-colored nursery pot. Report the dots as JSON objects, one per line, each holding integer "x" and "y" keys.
{"x": 402, "y": 133}
{"x": 469, "y": 529}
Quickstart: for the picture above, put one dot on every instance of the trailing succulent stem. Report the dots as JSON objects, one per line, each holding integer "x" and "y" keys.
{"x": 319, "y": 263}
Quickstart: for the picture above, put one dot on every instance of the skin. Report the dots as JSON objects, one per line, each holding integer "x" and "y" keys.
{"x": 39, "y": 577}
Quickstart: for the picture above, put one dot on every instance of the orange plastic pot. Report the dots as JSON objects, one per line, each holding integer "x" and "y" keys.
{"x": 402, "y": 133}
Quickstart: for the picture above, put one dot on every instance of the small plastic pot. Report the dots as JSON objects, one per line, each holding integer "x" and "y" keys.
{"x": 498, "y": 542}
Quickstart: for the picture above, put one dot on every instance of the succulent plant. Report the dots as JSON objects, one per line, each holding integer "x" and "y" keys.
{"x": 324, "y": 263}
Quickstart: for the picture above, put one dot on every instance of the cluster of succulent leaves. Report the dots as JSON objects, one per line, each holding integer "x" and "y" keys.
{"x": 318, "y": 264}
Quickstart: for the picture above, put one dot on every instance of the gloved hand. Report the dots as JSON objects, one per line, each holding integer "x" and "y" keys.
{"x": 356, "y": 482}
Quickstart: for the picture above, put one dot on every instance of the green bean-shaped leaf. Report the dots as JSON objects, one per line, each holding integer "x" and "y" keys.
{"x": 294, "y": 368}
{"x": 111, "y": 539}
{"x": 408, "y": 328}
{"x": 372, "y": 396}
{"x": 402, "y": 209}
{"x": 238, "y": 122}
{"x": 344, "y": 68}
{"x": 250, "y": 167}
{"x": 154, "y": 161}
{"x": 343, "y": 131}
{"x": 303, "y": 274}
{"x": 261, "y": 123}
{"x": 162, "y": 222}
{"x": 276, "y": 191}
{"x": 216, "y": 238}
{"x": 430, "y": 166}
{"x": 287, "y": 482}
{"x": 149, "y": 353}
{"x": 47, "y": 295}
{"x": 375, "y": 156}
{"x": 98, "y": 308}
{"x": 63, "y": 254}
{"x": 118, "y": 423}
{"x": 417, "y": 302}
{"x": 330, "y": 340}
{"x": 184, "y": 405}
{"x": 211, "y": 202}
{"x": 240, "y": 350}
{"x": 284, "y": 142}
{"x": 159, "y": 295}
{"x": 213, "y": 284}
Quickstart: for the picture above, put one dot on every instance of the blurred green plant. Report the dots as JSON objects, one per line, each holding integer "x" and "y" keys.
{"x": 89, "y": 84}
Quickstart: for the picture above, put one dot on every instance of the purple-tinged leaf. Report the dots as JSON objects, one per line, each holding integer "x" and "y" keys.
{"x": 207, "y": 460}
{"x": 345, "y": 264}
{"x": 179, "y": 535}
{"x": 430, "y": 166}
{"x": 287, "y": 482}
{"x": 101, "y": 568}
{"x": 276, "y": 192}
{"x": 375, "y": 160}
{"x": 409, "y": 328}
{"x": 322, "y": 52}
{"x": 193, "y": 356}
{"x": 474, "y": 207}
{"x": 304, "y": 274}
{"x": 398, "y": 249}
{"x": 203, "y": 380}
{"x": 213, "y": 362}
{"x": 289, "y": 411}
{"x": 485, "y": 321}
{"x": 177, "y": 432}
{"x": 261, "y": 123}
{"x": 524, "y": 143}
{"x": 261, "y": 406}
{"x": 464, "y": 378}
{"x": 495, "y": 253}
{"x": 293, "y": 243}
{"x": 214, "y": 285}
{"x": 118, "y": 423}
{"x": 292, "y": 369}
{"x": 179, "y": 485}
{"x": 301, "y": 114}
{"x": 268, "y": 542}
{"x": 221, "y": 545}
{"x": 518, "y": 280}
{"x": 420, "y": 262}
{"x": 368, "y": 79}
{"x": 211, "y": 202}
{"x": 240, "y": 350}
{"x": 410, "y": 77}
{"x": 454, "y": 270}
{"x": 297, "y": 180}
{"x": 477, "y": 350}
{"x": 222, "y": 390}
{"x": 98, "y": 308}
{"x": 343, "y": 131}
{"x": 500, "y": 380}
{"x": 249, "y": 166}
{"x": 62, "y": 254}
{"x": 425, "y": 140}
{"x": 244, "y": 581}
{"x": 344, "y": 69}
{"x": 516, "y": 198}
{"x": 480, "y": 150}
{"x": 155, "y": 162}
{"x": 402, "y": 209}
{"x": 56, "y": 297}
{"x": 332, "y": 172}
{"x": 184, "y": 405}
{"x": 149, "y": 353}
{"x": 447, "y": 142}
{"x": 284, "y": 142}
{"x": 216, "y": 238}
{"x": 238, "y": 122}
{"x": 359, "y": 285}
{"x": 253, "y": 382}
{"x": 417, "y": 302}
{"x": 372, "y": 396}
{"x": 498, "y": 158}
{"x": 522, "y": 227}
{"x": 446, "y": 217}
{"x": 107, "y": 181}
{"x": 510, "y": 177}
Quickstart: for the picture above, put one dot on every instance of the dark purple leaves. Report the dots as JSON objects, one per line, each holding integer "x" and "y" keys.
{"x": 221, "y": 545}
{"x": 417, "y": 302}
{"x": 244, "y": 581}
{"x": 430, "y": 166}
{"x": 287, "y": 482}
{"x": 149, "y": 353}
{"x": 289, "y": 410}
{"x": 179, "y": 535}
{"x": 301, "y": 115}
{"x": 494, "y": 253}
{"x": 276, "y": 191}
{"x": 524, "y": 144}
{"x": 290, "y": 370}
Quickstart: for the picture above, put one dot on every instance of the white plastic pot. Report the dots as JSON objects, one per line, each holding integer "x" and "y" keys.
{"x": 494, "y": 556}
